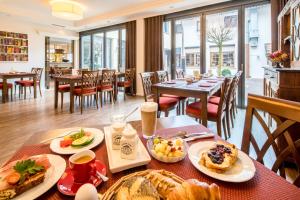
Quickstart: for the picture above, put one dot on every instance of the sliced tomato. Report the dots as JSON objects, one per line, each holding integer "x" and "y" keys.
{"x": 43, "y": 161}
{"x": 13, "y": 178}
{"x": 66, "y": 142}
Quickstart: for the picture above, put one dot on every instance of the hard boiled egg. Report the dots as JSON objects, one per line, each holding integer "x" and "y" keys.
{"x": 87, "y": 192}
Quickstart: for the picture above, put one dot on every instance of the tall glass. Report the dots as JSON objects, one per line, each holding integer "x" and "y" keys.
{"x": 149, "y": 119}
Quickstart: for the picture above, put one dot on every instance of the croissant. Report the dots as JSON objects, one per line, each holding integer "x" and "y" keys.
{"x": 163, "y": 184}
{"x": 194, "y": 190}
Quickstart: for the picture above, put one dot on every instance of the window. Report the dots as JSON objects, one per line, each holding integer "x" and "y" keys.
{"x": 190, "y": 59}
{"x": 228, "y": 59}
{"x": 98, "y": 50}
{"x": 104, "y": 48}
{"x": 167, "y": 46}
{"x": 86, "y": 51}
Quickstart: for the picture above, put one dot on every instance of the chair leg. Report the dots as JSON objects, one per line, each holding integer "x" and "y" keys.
{"x": 62, "y": 100}
{"x": 81, "y": 104}
{"x": 158, "y": 114}
{"x": 166, "y": 113}
{"x": 40, "y": 90}
{"x": 231, "y": 117}
{"x": 219, "y": 130}
{"x": 224, "y": 128}
{"x": 24, "y": 92}
{"x": 227, "y": 118}
{"x": 11, "y": 93}
{"x": 100, "y": 96}
{"x": 96, "y": 99}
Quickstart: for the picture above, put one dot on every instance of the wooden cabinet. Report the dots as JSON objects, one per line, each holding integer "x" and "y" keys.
{"x": 282, "y": 83}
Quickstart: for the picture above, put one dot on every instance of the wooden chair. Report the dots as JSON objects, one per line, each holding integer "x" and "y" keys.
{"x": 179, "y": 74}
{"x": 106, "y": 85}
{"x": 9, "y": 87}
{"x": 23, "y": 84}
{"x": 128, "y": 81}
{"x": 63, "y": 87}
{"x": 163, "y": 76}
{"x": 216, "y": 113}
{"x": 286, "y": 115}
{"x": 231, "y": 101}
{"x": 87, "y": 87}
{"x": 165, "y": 103}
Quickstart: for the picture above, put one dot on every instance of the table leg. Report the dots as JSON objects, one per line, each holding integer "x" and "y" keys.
{"x": 72, "y": 97}
{"x": 34, "y": 87}
{"x": 156, "y": 99}
{"x": 116, "y": 88}
{"x": 203, "y": 98}
{"x": 4, "y": 90}
{"x": 56, "y": 93}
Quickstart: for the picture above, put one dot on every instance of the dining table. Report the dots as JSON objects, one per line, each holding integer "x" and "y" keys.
{"x": 264, "y": 185}
{"x": 72, "y": 80}
{"x": 15, "y": 75}
{"x": 201, "y": 89}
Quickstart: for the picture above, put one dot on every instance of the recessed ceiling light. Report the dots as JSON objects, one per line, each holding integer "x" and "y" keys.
{"x": 67, "y": 9}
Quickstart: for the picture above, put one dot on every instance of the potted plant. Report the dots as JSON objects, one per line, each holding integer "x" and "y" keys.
{"x": 278, "y": 58}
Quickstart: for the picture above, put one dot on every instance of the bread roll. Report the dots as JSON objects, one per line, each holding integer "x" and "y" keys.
{"x": 194, "y": 190}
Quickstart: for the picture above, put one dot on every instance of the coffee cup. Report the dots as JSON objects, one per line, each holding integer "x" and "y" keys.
{"x": 149, "y": 119}
{"x": 83, "y": 166}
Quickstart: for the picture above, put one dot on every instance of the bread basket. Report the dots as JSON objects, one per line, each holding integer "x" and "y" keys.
{"x": 110, "y": 193}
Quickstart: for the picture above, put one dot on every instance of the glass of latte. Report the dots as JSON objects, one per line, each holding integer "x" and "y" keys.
{"x": 149, "y": 118}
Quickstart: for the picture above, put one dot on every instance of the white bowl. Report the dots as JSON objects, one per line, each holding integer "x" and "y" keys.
{"x": 164, "y": 158}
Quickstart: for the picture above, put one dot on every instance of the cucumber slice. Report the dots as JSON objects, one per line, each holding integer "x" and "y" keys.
{"x": 83, "y": 141}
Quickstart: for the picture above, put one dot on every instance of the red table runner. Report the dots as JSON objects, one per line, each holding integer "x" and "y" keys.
{"x": 264, "y": 185}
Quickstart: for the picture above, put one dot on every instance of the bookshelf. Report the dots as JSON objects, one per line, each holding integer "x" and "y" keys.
{"x": 13, "y": 47}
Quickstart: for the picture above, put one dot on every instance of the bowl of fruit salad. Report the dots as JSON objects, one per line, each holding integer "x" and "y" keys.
{"x": 167, "y": 150}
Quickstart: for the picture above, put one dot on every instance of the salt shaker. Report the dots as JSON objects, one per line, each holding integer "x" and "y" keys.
{"x": 117, "y": 127}
{"x": 128, "y": 144}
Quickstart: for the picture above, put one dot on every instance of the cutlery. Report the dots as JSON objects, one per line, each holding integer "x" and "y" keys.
{"x": 207, "y": 135}
{"x": 185, "y": 134}
{"x": 61, "y": 136}
{"x": 104, "y": 178}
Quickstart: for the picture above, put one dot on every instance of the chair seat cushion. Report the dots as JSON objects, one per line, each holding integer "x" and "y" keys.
{"x": 174, "y": 96}
{"x": 104, "y": 87}
{"x": 9, "y": 85}
{"x": 214, "y": 100}
{"x": 195, "y": 109}
{"x": 124, "y": 83}
{"x": 25, "y": 83}
{"x": 64, "y": 87}
{"x": 167, "y": 102}
{"x": 79, "y": 91}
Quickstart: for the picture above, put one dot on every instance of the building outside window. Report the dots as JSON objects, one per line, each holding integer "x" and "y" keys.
{"x": 86, "y": 51}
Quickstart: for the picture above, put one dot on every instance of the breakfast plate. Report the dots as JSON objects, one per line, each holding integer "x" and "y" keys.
{"x": 243, "y": 169}
{"x": 57, "y": 168}
{"x": 96, "y": 136}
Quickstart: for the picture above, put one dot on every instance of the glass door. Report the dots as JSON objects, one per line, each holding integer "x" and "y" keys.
{"x": 257, "y": 46}
{"x": 187, "y": 45}
{"x": 112, "y": 49}
{"x": 98, "y": 51}
{"x": 222, "y": 43}
{"x": 86, "y": 51}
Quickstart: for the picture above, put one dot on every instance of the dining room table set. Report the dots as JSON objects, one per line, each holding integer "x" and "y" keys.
{"x": 170, "y": 158}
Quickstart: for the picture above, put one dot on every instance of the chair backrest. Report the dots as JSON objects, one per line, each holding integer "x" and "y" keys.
{"x": 232, "y": 90}
{"x": 89, "y": 79}
{"x": 108, "y": 76}
{"x": 179, "y": 73}
{"x": 162, "y": 76}
{"x": 130, "y": 74}
{"x": 224, "y": 96}
{"x": 147, "y": 81}
{"x": 287, "y": 116}
{"x": 38, "y": 71}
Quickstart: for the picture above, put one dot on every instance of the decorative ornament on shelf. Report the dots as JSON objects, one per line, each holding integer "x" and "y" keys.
{"x": 278, "y": 58}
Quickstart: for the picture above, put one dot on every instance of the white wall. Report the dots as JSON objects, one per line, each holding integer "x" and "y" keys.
{"x": 36, "y": 43}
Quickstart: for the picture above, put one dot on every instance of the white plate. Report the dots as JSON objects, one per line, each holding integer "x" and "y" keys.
{"x": 53, "y": 174}
{"x": 116, "y": 163}
{"x": 243, "y": 170}
{"x": 55, "y": 147}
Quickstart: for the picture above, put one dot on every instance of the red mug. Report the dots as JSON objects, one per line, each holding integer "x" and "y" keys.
{"x": 85, "y": 169}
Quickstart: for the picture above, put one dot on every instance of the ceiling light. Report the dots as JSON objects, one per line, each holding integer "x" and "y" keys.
{"x": 67, "y": 9}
